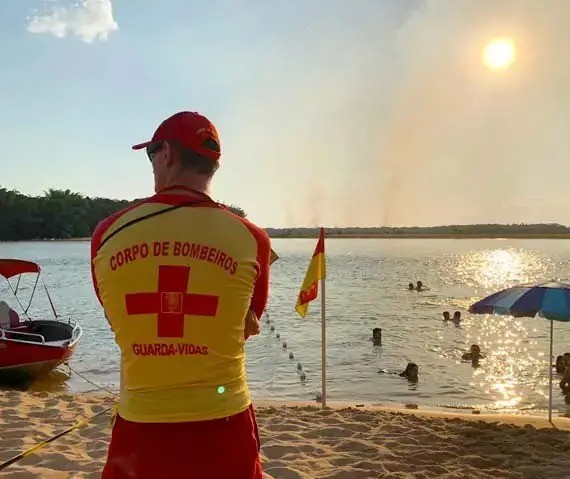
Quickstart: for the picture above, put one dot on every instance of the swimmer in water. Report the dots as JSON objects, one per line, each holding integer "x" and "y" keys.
{"x": 474, "y": 355}
{"x": 411, "y": 286}
{"x": 560, "y": 365}
{"x": 565, "y": 383}
{"x": 566, "y": 357}
{"x": 377, "y": 336}
{"x": 410, "y": 373}
{"x": 446, "y": 316}
{"x": 419, "y": 286}
{"x": 456, "y": 318}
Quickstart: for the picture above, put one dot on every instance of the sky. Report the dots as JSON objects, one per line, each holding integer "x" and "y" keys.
{"x": 330, "y": 112}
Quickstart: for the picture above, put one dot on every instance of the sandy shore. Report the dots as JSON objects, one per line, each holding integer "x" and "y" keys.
{"x": 302, "y": 441}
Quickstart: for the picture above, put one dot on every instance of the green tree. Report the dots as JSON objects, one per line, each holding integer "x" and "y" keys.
{"x": 236, "y": 210}
{"x": 57, "y": 214}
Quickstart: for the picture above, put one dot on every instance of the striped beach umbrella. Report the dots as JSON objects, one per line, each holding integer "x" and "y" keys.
{"x": 549, "y": 300}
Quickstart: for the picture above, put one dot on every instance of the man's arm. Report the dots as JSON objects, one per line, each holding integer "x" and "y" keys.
{"x": 95, "y": 242}
{"x": 261, "y": 289}
{"x": 97, "y": 238}
{"x": 251, "y": 324}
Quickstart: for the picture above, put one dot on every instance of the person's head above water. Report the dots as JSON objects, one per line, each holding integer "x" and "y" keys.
{"x": 184, "y": 151}
{"x": 411, "y": 371}
{"x": 419, "y": 285}
{"x": 446, "y": 315}
{"x": 457, "y": 315}
{"x": 475, "y": 350}
{"x": 411, "y": 286}
{"x": 560, "y": 364}
{"x": 377, "y": 334}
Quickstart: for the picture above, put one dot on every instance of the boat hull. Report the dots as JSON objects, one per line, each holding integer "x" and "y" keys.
{"x": 18, "y": 358}
{"x": 37, "y": 347}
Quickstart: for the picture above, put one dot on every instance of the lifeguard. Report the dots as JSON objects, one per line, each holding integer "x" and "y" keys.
{"x": 183, "y": 282}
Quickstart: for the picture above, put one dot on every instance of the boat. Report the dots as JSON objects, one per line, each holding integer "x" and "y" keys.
{"x": 31, "y": 347}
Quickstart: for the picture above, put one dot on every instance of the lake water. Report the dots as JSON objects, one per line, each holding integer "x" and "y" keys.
{"x": 366, "y": 288}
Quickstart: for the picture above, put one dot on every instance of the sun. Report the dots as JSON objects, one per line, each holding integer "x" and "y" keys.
{"x": 499, "y": 53}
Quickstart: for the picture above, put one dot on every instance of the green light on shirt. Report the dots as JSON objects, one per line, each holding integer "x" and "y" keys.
{"x": 221, "y": 389}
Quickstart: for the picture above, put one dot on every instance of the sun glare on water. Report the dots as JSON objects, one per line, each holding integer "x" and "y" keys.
{"x": 499, "y": 53}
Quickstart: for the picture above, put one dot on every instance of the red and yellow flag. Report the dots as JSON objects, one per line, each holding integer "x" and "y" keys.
{"x": 316, "y": 272}
{"x": 274, "y": 257}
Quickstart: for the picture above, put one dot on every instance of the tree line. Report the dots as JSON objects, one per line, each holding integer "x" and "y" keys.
{"x": 456, "y": 231}
{"x": 57, "y": 214}
{"x": 63, "y": 214}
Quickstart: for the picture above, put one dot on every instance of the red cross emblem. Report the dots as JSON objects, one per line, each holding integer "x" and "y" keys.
{"x": 172, "y": 301}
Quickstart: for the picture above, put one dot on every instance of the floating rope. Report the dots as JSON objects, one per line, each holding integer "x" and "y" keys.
{"x": 302, "y": 375}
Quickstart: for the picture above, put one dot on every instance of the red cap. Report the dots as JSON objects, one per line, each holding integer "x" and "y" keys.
{"x": 191, "y": 130}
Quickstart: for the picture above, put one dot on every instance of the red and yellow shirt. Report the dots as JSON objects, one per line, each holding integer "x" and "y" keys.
{"x": 176, "y": 275}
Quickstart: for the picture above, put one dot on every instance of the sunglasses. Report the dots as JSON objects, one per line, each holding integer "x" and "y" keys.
{"x": 153, "y": 148}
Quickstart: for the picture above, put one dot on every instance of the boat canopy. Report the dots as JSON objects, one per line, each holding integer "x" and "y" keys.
{"x": 14, "y": 267}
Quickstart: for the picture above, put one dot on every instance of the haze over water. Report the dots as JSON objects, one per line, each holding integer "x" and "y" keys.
{"x": 385, "y": 114}
{"x": 366, "y": 288}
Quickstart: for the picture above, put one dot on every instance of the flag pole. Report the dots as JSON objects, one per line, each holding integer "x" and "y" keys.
{"x": 550, "y": 357}
{"x": 323, "y": 340}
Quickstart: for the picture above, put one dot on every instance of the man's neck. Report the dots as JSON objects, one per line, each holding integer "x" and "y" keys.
{"x": 186, "y": 182}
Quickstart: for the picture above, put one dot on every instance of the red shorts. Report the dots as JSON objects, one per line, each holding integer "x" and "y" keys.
{"x": 218, "y": 449}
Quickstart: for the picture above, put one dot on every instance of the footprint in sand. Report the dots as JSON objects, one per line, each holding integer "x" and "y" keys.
{"x": 355, "y": 446}
{"x": 279, "y": 451}
{"x": 285, "y": 473}
{"x": 357, "y": 427}
{"x": 336, "y": 432}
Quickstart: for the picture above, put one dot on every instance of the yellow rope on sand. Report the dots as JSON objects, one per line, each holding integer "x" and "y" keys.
{"x": 114, "y": 415}
{"x": 76, "y": 426}
{"x": 98, "y": 386}
{"x": 41, "y": 445}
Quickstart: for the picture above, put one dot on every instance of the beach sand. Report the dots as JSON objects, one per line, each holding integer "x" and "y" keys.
{"x": 303, "y": 441}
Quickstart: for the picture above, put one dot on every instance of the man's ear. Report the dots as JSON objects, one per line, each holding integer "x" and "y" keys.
{"x": 169, "y": 153}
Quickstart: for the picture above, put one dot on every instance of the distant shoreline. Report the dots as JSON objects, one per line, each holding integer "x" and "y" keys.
{"x": 373, "y": 236}
{"x": 437, "y": 236}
